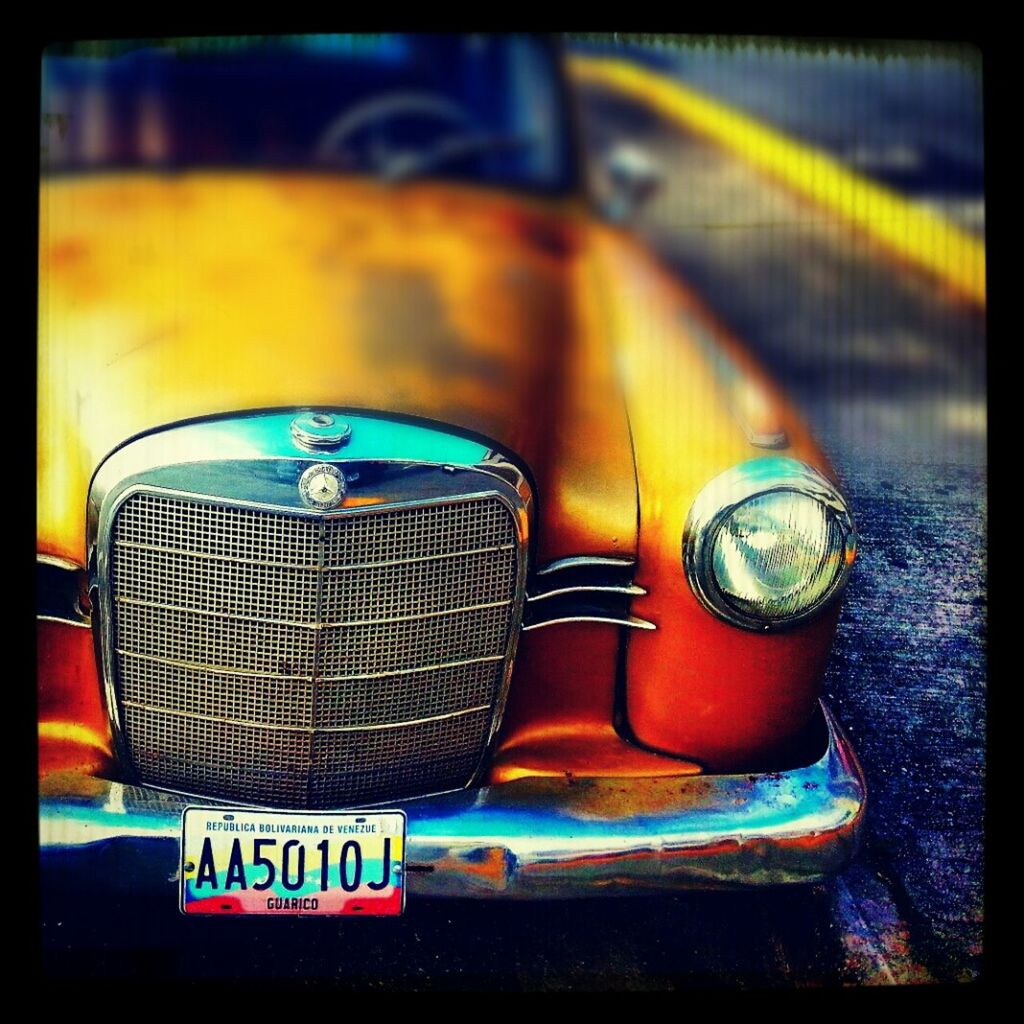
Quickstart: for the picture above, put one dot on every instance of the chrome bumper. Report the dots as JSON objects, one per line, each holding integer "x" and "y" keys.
{"x": 539, "y": 837}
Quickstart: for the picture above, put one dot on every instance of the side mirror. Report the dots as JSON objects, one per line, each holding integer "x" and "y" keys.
{"x": 632, "y": 177}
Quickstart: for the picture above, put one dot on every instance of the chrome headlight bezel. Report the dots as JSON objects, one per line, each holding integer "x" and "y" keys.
{"x": 726, "y": 493}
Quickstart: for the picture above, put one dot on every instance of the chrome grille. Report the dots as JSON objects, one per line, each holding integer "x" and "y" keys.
{"x": 310, "y": 661}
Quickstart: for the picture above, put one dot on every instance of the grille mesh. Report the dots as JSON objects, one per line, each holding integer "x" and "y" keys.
{"x": 310, "y": 661}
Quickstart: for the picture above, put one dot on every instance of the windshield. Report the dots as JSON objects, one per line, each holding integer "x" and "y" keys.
{"x": 486, "y": 109}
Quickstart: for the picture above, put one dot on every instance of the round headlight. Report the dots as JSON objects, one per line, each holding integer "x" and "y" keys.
{"x": 768, "y": 543}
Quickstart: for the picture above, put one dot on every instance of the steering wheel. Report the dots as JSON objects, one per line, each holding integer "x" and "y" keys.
{"x": 384, "y": 108}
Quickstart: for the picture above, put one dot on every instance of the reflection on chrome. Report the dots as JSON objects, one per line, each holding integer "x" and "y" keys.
{"x": 553, "y": 837}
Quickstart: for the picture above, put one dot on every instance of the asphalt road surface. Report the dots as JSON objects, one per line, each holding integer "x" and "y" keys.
{"x": 890, "y": 373}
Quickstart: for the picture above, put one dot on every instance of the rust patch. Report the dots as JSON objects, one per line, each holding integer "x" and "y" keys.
{"x": 69, "y": 251}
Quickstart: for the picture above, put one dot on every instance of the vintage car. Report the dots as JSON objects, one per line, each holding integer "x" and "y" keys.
{"x": 404, "y": 528}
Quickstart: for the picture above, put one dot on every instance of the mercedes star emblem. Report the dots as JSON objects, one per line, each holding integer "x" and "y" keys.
{"x": 322, "y": 486}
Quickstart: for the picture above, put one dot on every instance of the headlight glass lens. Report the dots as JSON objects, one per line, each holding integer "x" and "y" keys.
{"x": 768, "y": 543}
{"x": 777, "y": 554}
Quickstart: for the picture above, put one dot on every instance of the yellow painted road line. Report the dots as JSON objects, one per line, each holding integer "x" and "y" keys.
{"x": 906, "y": 228}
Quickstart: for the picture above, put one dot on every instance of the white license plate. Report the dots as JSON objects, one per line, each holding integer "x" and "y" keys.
{"x": 241, "y": 861}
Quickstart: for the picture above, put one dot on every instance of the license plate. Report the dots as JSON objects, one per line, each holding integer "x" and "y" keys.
{"x": 239, "y": 861}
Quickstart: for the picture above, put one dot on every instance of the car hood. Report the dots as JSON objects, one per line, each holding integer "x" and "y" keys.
{"x": 169, "y": 297}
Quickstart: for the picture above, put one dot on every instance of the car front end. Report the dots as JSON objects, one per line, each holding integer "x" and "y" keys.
{"x": 425, "y": 505}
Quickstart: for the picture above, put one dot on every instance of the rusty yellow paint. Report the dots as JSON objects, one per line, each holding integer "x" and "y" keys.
{"x": 168, "y": 297}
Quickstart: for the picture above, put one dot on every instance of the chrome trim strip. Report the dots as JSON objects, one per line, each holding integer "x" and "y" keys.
{"x": 303, "y": 728}
{"x": 60, "y": 585}
{"x": 630, "y": 590}
{"x": 224, "y": 671}
{"x": 427, "y": 464}
{"x": 723, "y": 495}
{"x": 83, "y": 624}
{"x": 314, "y": 626}
{"x": 584, "y": 589}
{"x": 587, "y": 561}
{"x": 59, "y": 562}
{"x": 320, "y": 581}
{"x": 295, "y": 565}
{"x": 632, "y": 621}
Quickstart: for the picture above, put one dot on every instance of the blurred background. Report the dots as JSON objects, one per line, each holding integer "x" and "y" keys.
{"x": 826, "y": 200}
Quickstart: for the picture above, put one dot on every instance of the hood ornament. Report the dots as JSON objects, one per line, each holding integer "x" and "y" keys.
{"x": 319, "y": 432}
{"x": 322, "y": 486}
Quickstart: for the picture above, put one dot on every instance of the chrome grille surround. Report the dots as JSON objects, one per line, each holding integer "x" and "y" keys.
{"x": 259, "y": 651}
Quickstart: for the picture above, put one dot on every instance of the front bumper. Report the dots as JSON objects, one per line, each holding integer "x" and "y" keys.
{"x": 534, "y": 837}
